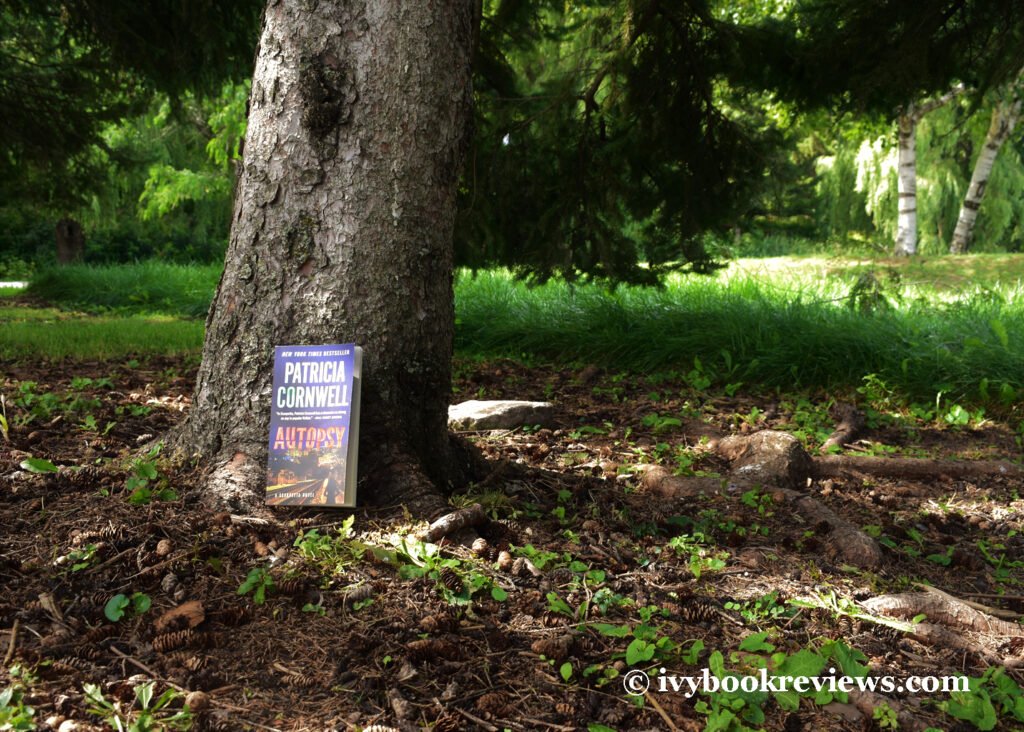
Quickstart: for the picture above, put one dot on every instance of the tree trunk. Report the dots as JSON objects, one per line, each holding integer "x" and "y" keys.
{"x": 342, "y": 232}
{"x": 70, "y": 241}
{"x": 906, "y": 184}
{"x": 1004, "y": 118}
{"x": 906, "y": 223}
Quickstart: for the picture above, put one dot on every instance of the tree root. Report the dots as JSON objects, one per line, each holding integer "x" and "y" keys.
{"x": 663, "y": 484}
{"x": 851, "y": 422}
{"x": 453, "y": 522}
{"x": 835, "y": 466}
{"x": 847, "y": 542}
{"x": 942, "y": 609}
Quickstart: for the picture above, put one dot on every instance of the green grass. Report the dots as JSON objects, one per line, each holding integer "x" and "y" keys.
{"x": 950, "y": 324}
{"x": 36, "y": 334}
{"x": 146, "y": 287}
{"x": 744, "y": 329}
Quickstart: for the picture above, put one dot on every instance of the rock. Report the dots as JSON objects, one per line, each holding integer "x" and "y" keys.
{"x": 768, "y": 458}
{"x": 498, "y": 415}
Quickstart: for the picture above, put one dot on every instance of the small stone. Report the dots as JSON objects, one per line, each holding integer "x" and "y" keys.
{"x": 68, "y": 725}
{"x": 505, "y": 561}
{"x": 498, "y": 414}
{"x": 197, "y": 701}
{"x": 163, "y": 547}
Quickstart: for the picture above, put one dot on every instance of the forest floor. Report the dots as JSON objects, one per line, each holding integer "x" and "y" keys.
{"x": 322, "y": 620}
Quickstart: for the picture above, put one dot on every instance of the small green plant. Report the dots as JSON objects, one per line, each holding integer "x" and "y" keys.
{"x": 661, "y": 423}
{"x": 331, "y": 554}
{"x": 702, "y": 559}
{"x": 120, "y": 605}
{"x": 38, "y": 465}
{"x": 988, "y": 697}
{"x": 885, "y": 717}
{"x": 146, "y": 713}
{"x": 79, "y": 559}
{"x": 145, "y": 483}
{"x": 15, "y": 715}
{"x": 259, "y": 582}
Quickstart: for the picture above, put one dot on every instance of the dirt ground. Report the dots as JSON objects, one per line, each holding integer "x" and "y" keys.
{"x": 357, "y": 630}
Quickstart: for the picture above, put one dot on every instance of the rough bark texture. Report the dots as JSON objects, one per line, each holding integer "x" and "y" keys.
{"x": 342, "y": 232}
{"x": 1004, "y": 118}
{"x": 767, "y": 457}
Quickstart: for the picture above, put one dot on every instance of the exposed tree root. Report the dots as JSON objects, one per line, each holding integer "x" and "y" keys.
{"x": 851, "y": 422}
{"x": 401, "y": 481}
{"x": 453, "y": 522}
{"x": 846, "y": 541}
{"x": 942, "y": 609}
{"x": 235, "y": 484}
{"x": 834, "y": 466}
{"x": 663, "y": 484}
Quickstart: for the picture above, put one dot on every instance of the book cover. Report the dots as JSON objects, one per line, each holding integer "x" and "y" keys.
{"x": 314, "y": 426}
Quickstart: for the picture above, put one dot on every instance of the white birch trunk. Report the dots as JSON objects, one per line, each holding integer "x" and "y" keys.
{"x": 906, "y": 186}
{"x": 1004, "y": 118}
{"x": 906, "y": 223}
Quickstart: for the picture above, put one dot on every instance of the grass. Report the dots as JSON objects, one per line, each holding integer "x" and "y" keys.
{"x": 743, "y": 329}
{"x": 30, "y": 333}
{"x": 146, "y": 287}
{"x": 944, "y": 324}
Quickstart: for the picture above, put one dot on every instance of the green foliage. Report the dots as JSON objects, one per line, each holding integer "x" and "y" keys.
{"x": 120, "y": 605}
{"x": 145, "y": 484}
{"x": 38, "y": 465}
{"x": 989, "y": 697}
{"x": 259, "y": 582}
{"x": 15, "y": 715}
{"x": 330, "y": 554}
{"x": 146, "y": 713}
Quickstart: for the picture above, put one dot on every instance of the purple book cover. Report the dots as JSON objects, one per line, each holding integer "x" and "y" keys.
{"x": 314, "y": 426}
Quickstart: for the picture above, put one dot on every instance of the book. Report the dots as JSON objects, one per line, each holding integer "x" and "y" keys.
{"x": 314, "y": 426}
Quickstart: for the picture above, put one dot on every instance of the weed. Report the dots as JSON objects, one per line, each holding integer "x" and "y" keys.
{"x": 259, "y": 582}
{"x": 144, "y": 472}
{"x": 150, "y": 715}
{"x": 120, "y": 605}
{"x": 15, "y": 715}
{"x": 992, "y": 694}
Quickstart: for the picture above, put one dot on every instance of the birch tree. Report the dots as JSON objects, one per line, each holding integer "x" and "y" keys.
{"x": 906, "y": 169}
{"x": 1005, "y": 115}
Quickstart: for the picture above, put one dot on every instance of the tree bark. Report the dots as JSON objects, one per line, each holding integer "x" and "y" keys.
{"x": 906, "y": 168}
{"x": 1005, "y": 116}
{"x": 70, "y": 241}
{"x": 342, "y": 232}
{"x": 906, "y": 184}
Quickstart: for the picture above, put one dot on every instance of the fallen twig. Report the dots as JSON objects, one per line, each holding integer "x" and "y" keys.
{"x": 13, "y": 643}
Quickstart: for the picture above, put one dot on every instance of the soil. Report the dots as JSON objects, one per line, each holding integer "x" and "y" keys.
{"x": 355, "y": 633}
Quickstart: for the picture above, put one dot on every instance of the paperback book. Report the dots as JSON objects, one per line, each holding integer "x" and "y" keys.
{"x": 314, "y": 426}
